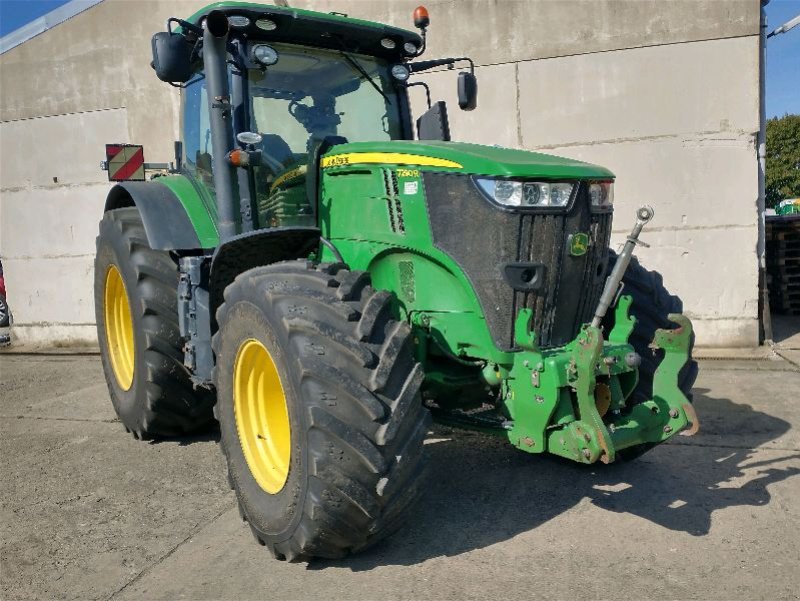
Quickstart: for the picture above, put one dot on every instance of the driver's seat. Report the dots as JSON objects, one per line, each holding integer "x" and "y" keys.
{"x": 277, "y": 149}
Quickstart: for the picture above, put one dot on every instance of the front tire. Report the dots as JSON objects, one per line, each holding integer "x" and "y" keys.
{"x": 321, "y": 420}
{"x": 137, "y": 327}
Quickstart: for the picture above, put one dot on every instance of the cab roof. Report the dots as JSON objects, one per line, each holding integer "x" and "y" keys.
{"x": 311, "y": 28}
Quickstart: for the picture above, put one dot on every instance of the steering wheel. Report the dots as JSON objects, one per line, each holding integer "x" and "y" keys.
{"x": 272, "y": 163}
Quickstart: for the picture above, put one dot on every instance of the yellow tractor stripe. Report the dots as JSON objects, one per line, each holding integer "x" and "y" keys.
{"x": 400, "y": 158}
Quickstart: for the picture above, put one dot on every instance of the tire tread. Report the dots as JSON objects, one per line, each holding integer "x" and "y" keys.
{"x": 169, "y": 404}
{"x": 352, "y": 349}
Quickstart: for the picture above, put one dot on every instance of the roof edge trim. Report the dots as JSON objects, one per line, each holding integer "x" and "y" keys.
{"x": 44, "y": 23}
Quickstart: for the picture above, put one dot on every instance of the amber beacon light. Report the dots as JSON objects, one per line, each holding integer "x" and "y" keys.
{"x": 421, "y": 17}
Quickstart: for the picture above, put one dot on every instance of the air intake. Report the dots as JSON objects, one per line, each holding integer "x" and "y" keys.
{"x": 393, "y": 203}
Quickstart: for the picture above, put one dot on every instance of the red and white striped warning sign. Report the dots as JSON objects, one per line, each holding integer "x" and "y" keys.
{"x": 125, "y": 162}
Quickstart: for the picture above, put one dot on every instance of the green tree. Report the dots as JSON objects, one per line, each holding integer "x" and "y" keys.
{"x": 783, "y": 159}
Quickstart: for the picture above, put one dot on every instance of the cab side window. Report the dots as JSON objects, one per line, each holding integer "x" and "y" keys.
{"x": 197, "y": 134}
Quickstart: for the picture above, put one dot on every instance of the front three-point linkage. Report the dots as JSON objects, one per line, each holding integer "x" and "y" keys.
{"x": 573, "y": 401}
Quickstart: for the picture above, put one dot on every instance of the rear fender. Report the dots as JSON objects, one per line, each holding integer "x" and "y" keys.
{"x": 173, "y": 214}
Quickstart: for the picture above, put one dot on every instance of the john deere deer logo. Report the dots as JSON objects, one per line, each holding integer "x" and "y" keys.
{"x": 578, "y": 244}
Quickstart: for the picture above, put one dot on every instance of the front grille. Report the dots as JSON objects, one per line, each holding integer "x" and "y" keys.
{"x": 482, "y": 239}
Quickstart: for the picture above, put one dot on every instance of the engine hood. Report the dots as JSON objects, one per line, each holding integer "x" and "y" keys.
{"x": 460, "y": 157}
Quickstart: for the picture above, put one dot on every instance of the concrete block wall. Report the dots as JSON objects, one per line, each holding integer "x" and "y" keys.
{"x": 664, "y": 94}
{"x": 52, "y": 191}
{"x": 64, "y": 94}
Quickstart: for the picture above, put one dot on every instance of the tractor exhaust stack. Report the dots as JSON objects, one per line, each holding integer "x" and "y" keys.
{"x": 215, "y": 40}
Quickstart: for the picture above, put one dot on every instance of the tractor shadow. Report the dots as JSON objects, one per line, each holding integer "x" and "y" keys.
{"x": 211, "y": 434}
{"x": 480, "y": 491}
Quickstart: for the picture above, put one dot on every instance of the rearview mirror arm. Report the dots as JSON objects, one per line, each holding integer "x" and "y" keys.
{"x": 440, "y": 62}
{"x": 185, "y": 25}
{"x": 427, "y": 90}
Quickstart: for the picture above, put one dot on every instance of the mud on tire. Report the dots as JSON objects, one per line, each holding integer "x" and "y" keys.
{"x": 351, "y": 387}
{"x": 161, "y": 400}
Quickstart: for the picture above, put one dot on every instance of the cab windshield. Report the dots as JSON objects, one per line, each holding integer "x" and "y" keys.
{"x": 308, "y": 95}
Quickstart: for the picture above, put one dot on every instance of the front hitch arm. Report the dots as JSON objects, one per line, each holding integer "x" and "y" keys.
{"x": 675, "y": 344}
{"x": 668, "y": 412}
{"x": 613, "y": 284}
{"x": 587, "y": 352}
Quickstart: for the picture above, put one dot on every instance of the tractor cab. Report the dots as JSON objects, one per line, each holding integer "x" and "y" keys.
{"x": 295, "y": 100}
{"x": 300, "y": 82}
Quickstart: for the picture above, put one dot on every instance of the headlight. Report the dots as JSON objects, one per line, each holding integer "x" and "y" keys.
{"x": 508, "y": 193}
{"x": 601, "y": 194}
{"x": 266, "y": 24}
{"x": 527, "y": 194}
{"x": 400, "y": 72}
{"x": 238, "y": 21}
{"x": 266, "y": 55}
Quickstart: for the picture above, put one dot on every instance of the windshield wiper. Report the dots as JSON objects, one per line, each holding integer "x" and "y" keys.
{"x": 364, "y": 74}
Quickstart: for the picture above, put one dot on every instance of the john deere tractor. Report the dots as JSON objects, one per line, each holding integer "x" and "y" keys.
{"x": 321, "y": 274}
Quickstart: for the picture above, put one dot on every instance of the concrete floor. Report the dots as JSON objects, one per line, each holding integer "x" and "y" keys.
{"x": 786, "y": 337}
{"x": 90, "y": 513}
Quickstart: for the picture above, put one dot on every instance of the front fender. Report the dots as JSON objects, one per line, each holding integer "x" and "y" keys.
{"x": 256, "y": 248}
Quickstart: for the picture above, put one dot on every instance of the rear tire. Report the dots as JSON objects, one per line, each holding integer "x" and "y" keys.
{"x": 149, "y": 386}
{"x": 652, "y": 303}
{"x": 350, "y": 386}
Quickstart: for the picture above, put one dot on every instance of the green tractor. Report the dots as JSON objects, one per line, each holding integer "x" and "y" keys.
{"x": 321, "y": 275}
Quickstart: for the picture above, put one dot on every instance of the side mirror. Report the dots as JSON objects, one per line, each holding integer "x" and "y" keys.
{"x": 171, "y": 56}
{"x": 467, "y": 91}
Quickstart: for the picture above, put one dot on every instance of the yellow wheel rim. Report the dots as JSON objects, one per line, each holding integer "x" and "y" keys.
{"x": 262, "y": 416}
{"x": 119, "y": 328}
